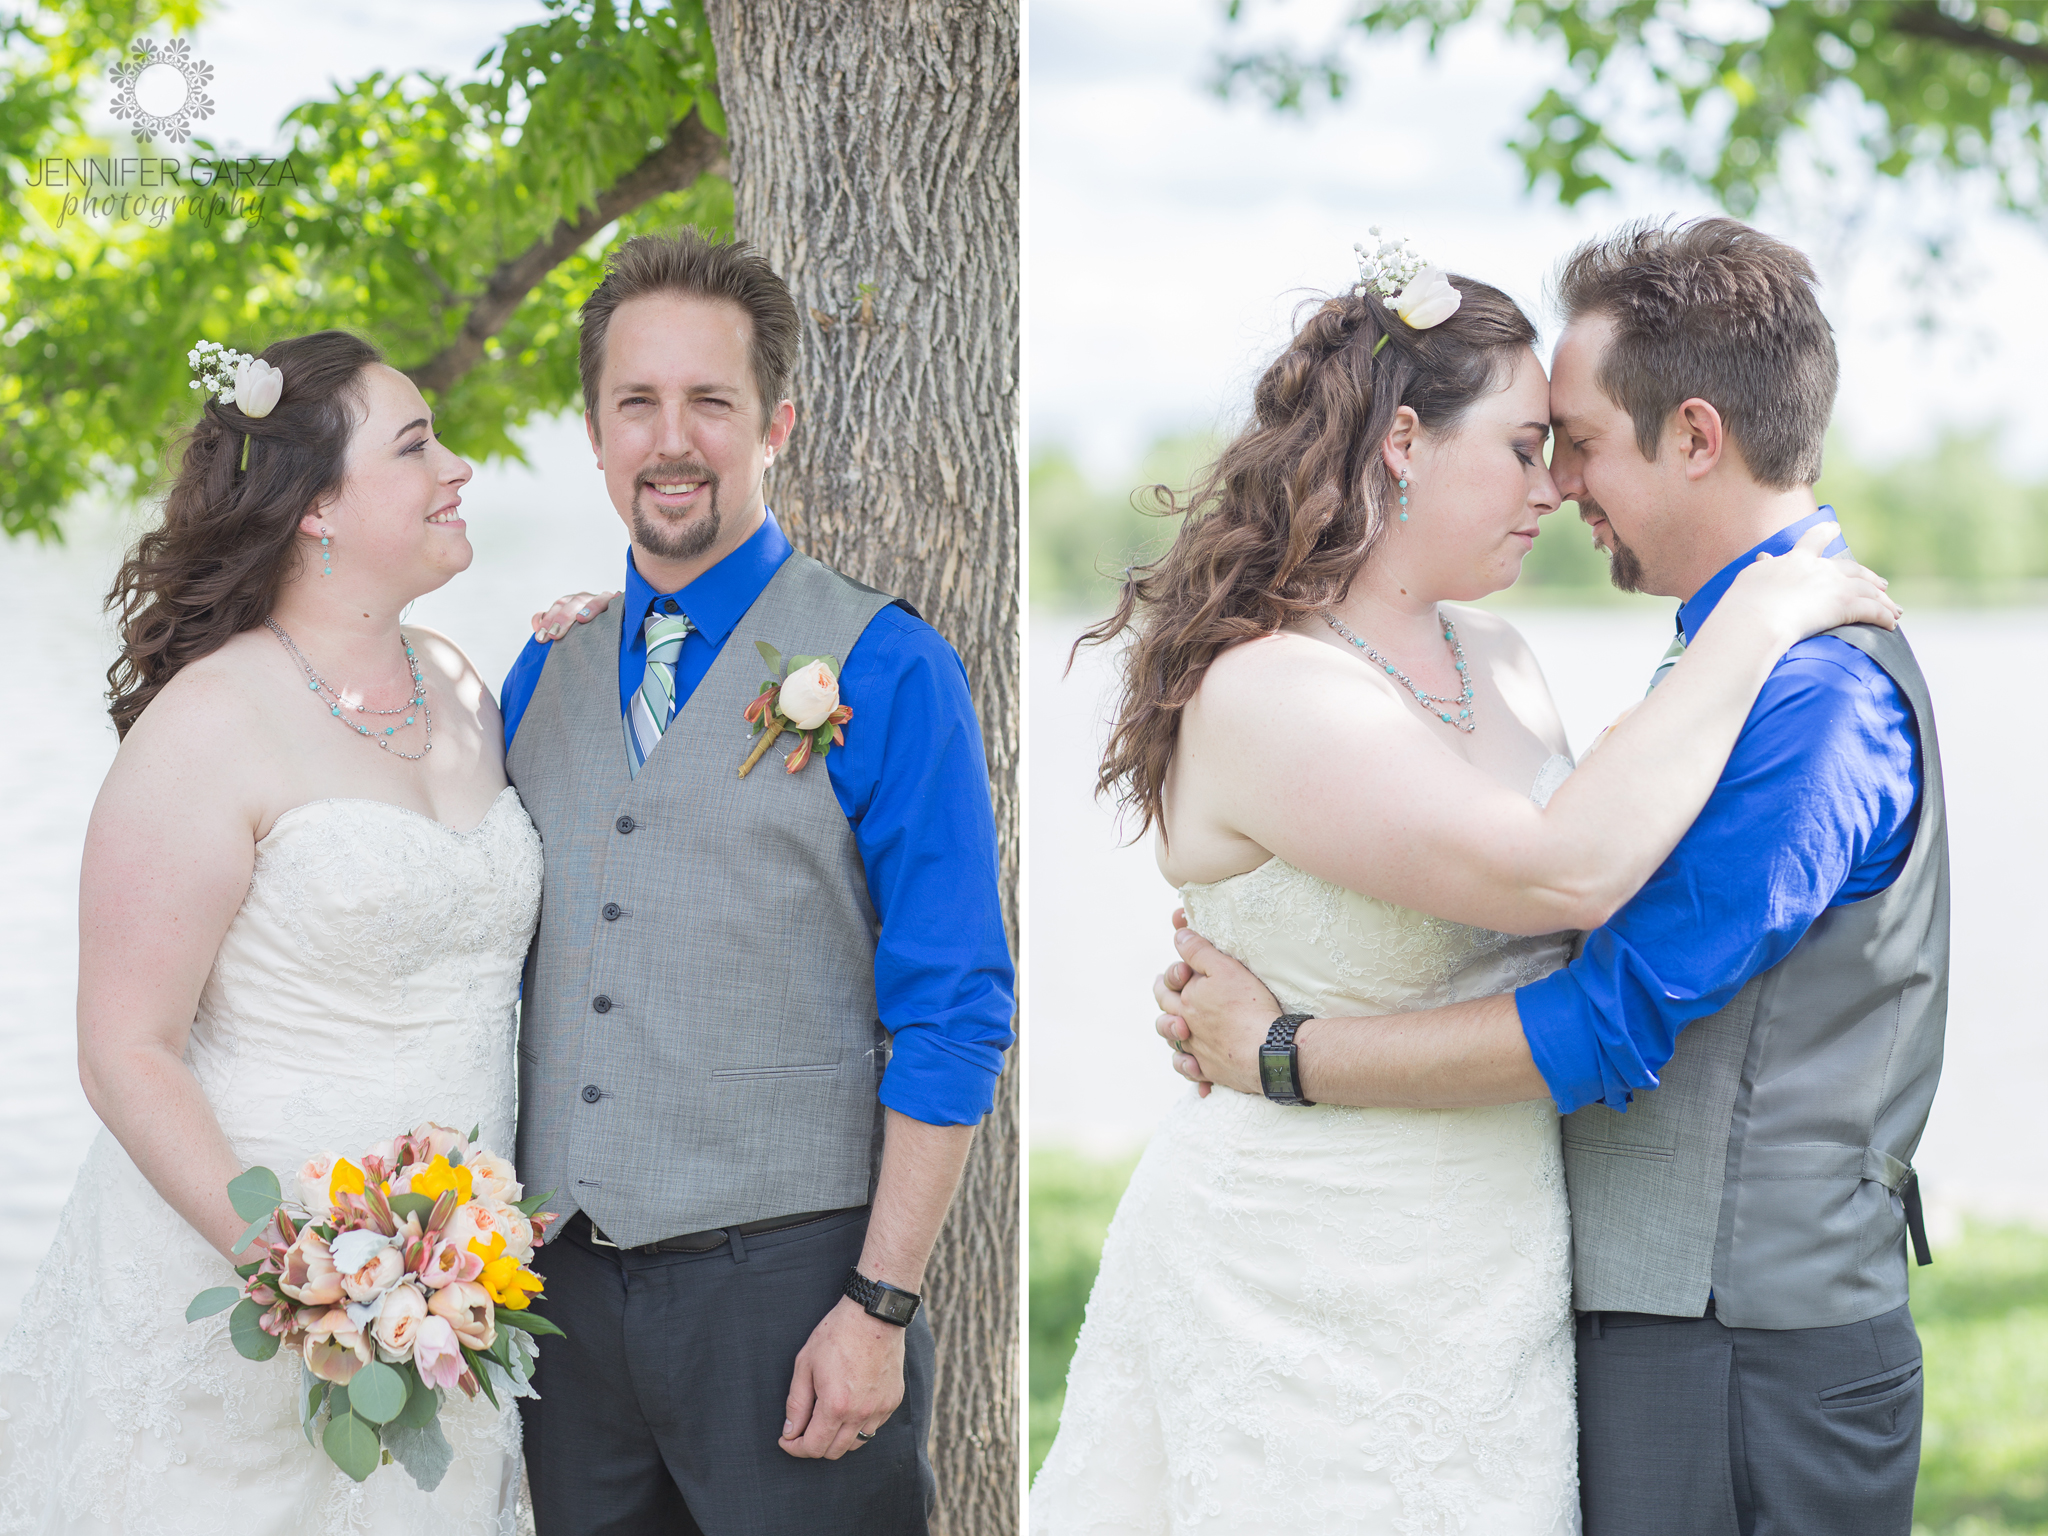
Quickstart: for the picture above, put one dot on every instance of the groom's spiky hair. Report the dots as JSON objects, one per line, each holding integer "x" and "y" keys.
{"x": 688, "y": 264}
{"x": 1713, "y": 310}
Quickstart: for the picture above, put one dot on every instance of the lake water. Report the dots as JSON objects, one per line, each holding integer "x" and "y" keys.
{"x": 537, "y": 534}
{"x": 1097, "y": 914}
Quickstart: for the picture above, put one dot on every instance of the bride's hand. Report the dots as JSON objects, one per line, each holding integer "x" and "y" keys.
{"x": 1803, "y": 593}
{"x": 576, "y": 608}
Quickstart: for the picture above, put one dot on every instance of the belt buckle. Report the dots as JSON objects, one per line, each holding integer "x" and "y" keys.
{"x": 597, "y": 1236}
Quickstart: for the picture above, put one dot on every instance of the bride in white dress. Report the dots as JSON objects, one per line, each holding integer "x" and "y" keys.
{"x": 301, "y": 933}
{"x": 1325, "y": 1319}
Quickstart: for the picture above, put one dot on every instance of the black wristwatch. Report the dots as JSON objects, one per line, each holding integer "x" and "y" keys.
{"x": 1280, "y": 1061}
{"x": 882, "y": 1300}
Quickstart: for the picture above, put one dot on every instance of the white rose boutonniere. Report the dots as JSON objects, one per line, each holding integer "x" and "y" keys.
{"x": 803, "y": 697}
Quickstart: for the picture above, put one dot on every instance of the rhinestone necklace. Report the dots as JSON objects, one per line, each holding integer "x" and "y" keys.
{"x": 1438, "y": 706}
{"x": 331, "y": 697}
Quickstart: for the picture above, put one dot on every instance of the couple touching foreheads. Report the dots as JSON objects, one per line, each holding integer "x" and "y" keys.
{"x": 331, "y": 893}
{"x": 1552, "y": 1168}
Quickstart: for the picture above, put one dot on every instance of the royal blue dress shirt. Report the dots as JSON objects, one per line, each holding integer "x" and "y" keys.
{"x": 913, "y": 781}
{"x": 1816, "y": 809}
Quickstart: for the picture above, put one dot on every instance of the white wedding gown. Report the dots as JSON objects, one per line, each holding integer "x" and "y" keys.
{"x": 1322, "y": 1320}
{"x": 367, "y": 984}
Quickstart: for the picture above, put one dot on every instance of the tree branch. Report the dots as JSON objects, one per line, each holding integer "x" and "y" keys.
{"x": 1929, "y": 22}
{"x": 688, "y": 152}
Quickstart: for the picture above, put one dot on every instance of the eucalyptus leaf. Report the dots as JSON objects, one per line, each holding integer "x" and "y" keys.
{"x": 422, "y": 1449}
{"x": 254, "y": 1194}
{"x": 337, "y": 1398}
{"x": 208, "y": 1302}
{"x": 245, "y": 1329}
{"x": 532, "y": 1203}
{"x": 772, "y": 656}
{"x": 410, "y": 1204}
{"x": 352, "y": 1445}
{"x": 377, "y": 1393}
{"x": 474, "y": 1132}
{"x": 422, "y": 1403}
{"x": 312, "y": 1394}
{"x": 251, "y": 1232}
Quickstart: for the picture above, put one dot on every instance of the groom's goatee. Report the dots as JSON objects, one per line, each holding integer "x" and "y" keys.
{"x": 1623, "y": 568}
{"x": 676, "y": 540}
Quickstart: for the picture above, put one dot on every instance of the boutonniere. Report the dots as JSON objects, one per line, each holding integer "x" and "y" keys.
{"x": 802, "y": 697}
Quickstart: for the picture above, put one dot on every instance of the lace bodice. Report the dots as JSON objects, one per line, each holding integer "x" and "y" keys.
{"x": 368, "y": 982}
{"x": 1329, "y": 1319}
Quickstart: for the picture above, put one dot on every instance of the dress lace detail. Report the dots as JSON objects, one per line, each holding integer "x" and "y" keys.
{"x": 1332, "y": 1319}
{"x": 368, "y": 982}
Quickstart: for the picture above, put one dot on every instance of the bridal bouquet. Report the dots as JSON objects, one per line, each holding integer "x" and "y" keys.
{"x": 393, "y": 1278}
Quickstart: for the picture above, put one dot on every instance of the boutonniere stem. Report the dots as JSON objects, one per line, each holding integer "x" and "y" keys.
{"x": 803, "y": 697}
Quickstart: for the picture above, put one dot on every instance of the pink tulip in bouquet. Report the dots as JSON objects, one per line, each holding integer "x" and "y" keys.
{"x": 393, "y": 1278}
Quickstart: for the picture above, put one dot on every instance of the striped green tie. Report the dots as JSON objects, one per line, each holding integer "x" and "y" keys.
{"x": 1663, "y": 667}
{"x": 654, "y": 703}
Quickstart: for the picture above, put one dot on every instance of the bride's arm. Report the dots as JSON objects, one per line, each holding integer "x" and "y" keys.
{"x": 1376, "y": 805}
{"x": 168, "y": 856}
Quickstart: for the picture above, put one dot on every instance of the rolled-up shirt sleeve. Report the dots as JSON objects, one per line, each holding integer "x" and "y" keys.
{"x": 1816, "y": 808}
{"x": 913, "y": 780}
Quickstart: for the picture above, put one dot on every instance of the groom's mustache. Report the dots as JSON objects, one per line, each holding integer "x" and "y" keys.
{"x": 670, "y": 471}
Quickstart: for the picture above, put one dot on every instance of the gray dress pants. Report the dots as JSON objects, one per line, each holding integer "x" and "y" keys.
{"x": 1691, "y": 1428}
{"x": 658, "y": 1415}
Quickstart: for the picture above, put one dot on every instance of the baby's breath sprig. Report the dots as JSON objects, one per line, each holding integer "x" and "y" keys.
{"x": 215, "y": 366}
{"x": 1387, "y": 268}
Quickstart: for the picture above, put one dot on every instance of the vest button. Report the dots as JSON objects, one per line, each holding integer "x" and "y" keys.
{"x": 625, "y": 824}
{"x": 592, "y": 1093}
{"x": 613, "y": 911}
{"x": 601, "y": 1003}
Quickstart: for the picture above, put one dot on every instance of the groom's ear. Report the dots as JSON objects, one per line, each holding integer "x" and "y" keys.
{"x": 596, "y": 442}
{"x": 1701, "y": 437}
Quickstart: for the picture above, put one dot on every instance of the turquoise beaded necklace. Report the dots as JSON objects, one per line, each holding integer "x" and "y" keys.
{"x": 1436, "y": 705}
{"x": 331, "y": 697}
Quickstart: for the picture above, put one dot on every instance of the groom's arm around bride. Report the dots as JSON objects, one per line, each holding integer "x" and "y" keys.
{"x": 764, "y": 1011}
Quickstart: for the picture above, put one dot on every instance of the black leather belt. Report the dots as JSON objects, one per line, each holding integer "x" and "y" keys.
{"x": 583, "y": 1228}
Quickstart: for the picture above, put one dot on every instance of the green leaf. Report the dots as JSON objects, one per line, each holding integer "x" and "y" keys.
{"x": 250, "y": 1233}
{"x": 352, "y": 1445}
{"x": 255, "y": 1195}
{"x": 409, "y": 1204}
{"x": 830, "y": 661}
{"x": 337, "y": 1398}
{"x": 245, "y": 1329}
{"x": 377, "y": 1393}
{"x": 422, "y": 1402}
{"x": 481, "y": 1371}
{"x": 248, "y": 1269}
{"x": 532, "y": 1203}
{"x": 474, "y": 1132}
{"x": 774, "y": 659}
{"x": 528, "y": 1322}
{"x": 422, "y": 1449}
{"x": 209, "y": 1302}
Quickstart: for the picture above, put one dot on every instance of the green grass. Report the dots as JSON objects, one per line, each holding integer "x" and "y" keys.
{"x": 1982, "y": 1311}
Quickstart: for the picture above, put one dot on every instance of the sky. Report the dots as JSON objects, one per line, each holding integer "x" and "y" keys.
{"x": 1170, "y": 235}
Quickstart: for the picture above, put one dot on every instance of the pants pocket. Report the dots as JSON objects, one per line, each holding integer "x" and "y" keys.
{"x": 1880, "y": 1407}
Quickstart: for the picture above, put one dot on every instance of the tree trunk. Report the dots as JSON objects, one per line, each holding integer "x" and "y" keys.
{"x": 874, "y": 152}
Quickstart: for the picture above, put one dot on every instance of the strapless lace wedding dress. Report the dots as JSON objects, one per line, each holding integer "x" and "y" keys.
{"x": 367, "y": 984}
{"x": 1328, "y": 1320}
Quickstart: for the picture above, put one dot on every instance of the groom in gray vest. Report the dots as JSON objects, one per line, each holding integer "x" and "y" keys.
{"x": 764, "y": 1010}
{"x": 1746, "y": 1052}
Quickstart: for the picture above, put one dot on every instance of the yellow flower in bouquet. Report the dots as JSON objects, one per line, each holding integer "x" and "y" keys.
{"x": 437, "y": 1178}
{"x": 509, "y": 1283}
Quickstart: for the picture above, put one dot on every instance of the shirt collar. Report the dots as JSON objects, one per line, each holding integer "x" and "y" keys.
{"x": 1693, "y": 613}
{"x": 717, "y": 599}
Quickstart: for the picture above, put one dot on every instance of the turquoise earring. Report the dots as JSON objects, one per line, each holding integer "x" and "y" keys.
{"x": 1404, "y": 500}
{"x": 327, "y": 555}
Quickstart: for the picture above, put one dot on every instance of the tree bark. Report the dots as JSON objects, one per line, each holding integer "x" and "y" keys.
{"x": 874, "y": 152}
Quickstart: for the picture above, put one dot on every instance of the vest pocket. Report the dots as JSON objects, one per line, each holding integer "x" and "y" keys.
{"x": 751, "y": 1074}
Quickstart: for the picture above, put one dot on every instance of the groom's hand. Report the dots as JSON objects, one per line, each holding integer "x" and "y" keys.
{"x": 849, "y": 1377}
{"x": 1213, "y": 1013}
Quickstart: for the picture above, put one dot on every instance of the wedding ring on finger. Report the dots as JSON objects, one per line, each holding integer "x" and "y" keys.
{"x": 862, "y": 1436}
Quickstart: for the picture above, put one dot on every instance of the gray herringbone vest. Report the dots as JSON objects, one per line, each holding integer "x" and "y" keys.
{"x": 1766, "y": 1164}
{"x": 699, "y": 1045}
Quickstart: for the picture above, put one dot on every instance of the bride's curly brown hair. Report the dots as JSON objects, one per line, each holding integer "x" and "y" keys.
{"x": 213, "y": 563}
{"x": 1281, "y": 523}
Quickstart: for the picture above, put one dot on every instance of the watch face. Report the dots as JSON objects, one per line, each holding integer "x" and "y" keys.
{"x": 1276, "y": 1074}
{"x": 895, "y": 1306}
